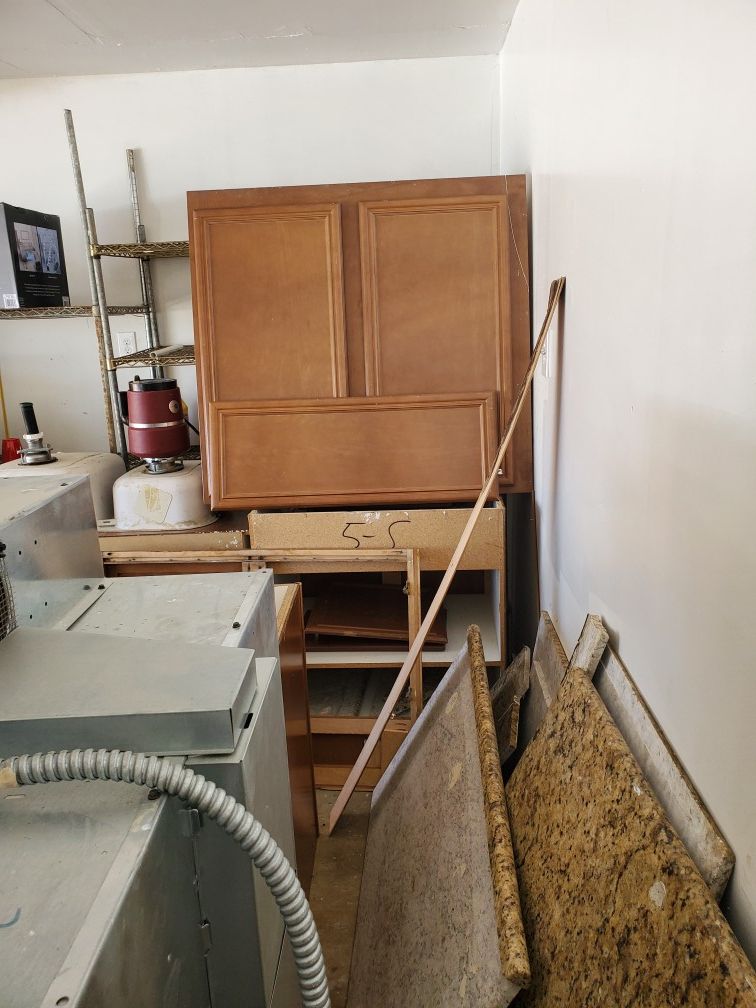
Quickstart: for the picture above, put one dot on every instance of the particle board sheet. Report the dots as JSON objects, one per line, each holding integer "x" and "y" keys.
{"x": 439, "y": 918}
{"x": 616, "y": 913}
{"x": 434, "y": 532}
{"x": 683, "y": 804}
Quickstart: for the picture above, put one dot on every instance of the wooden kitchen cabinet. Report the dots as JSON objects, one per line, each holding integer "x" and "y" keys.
{"x": 377, "y": 290}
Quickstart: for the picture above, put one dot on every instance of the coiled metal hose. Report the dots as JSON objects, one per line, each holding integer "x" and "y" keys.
{"x": 214, "y": 802}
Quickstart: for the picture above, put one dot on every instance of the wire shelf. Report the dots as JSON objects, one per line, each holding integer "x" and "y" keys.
{"x": 143, "y": 250}
{"x": 169, "y": 356}
{"x": 68, "y": 311}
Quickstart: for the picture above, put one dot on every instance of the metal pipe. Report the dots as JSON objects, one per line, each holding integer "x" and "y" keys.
{"x": 99, "y": 328}
{"x": 107, "y": 341}
{"x": 145, "y": 271}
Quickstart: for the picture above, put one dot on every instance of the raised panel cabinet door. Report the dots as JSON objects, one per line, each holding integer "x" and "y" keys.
{"x": 351, "y": 451}
{"x": 435, "y": 296}
{"x": 269, "y": 304}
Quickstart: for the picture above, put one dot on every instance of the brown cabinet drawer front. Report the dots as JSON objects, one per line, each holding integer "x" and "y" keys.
{"x": 270, "y": 300}
{"x": 351, "y": 451}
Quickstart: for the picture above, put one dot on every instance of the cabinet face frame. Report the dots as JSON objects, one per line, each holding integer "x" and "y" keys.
{"x": 370, "y": 214}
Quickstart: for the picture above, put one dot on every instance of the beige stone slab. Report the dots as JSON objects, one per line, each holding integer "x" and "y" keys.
{"x": 616, "y": 913}
{"x": 677, "y": 794}
{"x": 546, "y": 673}
{"x": 427, "y": 928}
{"x": 590, "y": 645}
{"x": 549, "y": 653}
{"x": 506, "y": 695}
{"x": 533, "y": 707}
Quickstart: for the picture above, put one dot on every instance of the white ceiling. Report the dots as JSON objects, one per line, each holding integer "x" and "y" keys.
{"x": 42, "y": 38}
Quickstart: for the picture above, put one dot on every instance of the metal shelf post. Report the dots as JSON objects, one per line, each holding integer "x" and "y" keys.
{"x": 99, "y": 322}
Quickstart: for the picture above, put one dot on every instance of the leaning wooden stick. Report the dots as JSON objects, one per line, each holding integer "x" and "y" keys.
{"x": 417, "y": 645}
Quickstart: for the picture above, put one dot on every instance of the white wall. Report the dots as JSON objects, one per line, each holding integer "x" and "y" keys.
{"x": 209, "y": 129}
{"x": 635, "y": 122}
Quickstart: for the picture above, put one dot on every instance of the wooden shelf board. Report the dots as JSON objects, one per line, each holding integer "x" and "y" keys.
{"x": 351, "y": 725}
{"x": 462, "y": 610}
{"x": 347, "y": 701}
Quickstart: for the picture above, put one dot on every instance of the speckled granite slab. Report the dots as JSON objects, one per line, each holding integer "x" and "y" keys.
{"x": 616, "y": 913}
{"x": 439, "y": 922}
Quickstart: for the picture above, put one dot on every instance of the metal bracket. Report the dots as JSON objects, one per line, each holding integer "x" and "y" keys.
{"x": 191, "y": 822}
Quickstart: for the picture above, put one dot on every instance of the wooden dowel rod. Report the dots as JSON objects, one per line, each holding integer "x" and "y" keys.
{"x": 415, "y": 650}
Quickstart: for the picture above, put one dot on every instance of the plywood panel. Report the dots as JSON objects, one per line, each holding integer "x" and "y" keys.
{"x": 435, "y": 296}
{"x": 269, "y": 299}
{"x": 371, "y": 451}
{"x": 616, "y": 913}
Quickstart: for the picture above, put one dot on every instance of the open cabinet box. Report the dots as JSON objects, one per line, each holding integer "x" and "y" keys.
{"x": 347, "y": 687}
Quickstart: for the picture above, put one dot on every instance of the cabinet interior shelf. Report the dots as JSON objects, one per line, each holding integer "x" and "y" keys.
{"x": 461, "y": 611}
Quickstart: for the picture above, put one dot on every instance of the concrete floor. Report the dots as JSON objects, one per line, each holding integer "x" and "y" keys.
{"x": 335, "y": 888}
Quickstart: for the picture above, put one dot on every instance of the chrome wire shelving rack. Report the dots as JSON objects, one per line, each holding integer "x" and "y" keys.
{"x": 155, "y": 356}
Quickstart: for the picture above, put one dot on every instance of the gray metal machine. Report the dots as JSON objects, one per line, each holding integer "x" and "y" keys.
{"x": 108, "y": 897}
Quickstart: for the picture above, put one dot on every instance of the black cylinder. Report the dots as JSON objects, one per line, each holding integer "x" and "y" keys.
{"x": 30, "y": 420}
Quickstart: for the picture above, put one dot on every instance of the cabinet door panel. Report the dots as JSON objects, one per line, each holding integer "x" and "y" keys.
{"x": 435, "y": 295}
{"x": 351, "y": 451}
{"x": 270, "y": 302}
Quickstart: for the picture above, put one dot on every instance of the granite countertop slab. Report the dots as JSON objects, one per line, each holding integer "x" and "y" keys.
{"x": 616, "y": 913}
{"x": 439, "y": 921}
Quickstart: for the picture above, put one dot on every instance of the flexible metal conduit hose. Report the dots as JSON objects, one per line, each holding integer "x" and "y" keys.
{"x": 192, "y": 788}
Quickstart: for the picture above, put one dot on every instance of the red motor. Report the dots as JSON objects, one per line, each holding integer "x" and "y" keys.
{"x": 154, "y": 419}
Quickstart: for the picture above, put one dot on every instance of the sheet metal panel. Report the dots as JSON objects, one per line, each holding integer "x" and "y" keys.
{"x": 193, "y": 608}
{"x": 48, "y": 526}
{"x": 63, "y": 690}
{"x": 97, "y": 904}
{"x": 246, "y": 926}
